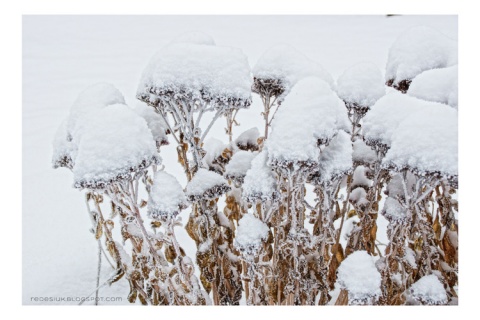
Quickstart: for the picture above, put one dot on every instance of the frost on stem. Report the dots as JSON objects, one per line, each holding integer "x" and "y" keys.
{"x": 385, "y": 116}
{"x": 167, "y": 198}
{"x": 281, "y": 67}
{"x": 437, "y": 85}
{"x": 206, "y": 185}
{"x": 358, "y": 275}
{"x": 251, "y": 234}
{"x": 426, "y": 143}
{"x": 260, "y": 181}
{"x": 115, "y": 144}
{"x": 238, "y": 166}
{"x": 211, "y": 74}
{"x": 248, "y": 140}
{"x": 360, "y": 87}
{"x": 428, "y": 291}
{"x": 418, "y": 49}
{"x": 310, "y": 117}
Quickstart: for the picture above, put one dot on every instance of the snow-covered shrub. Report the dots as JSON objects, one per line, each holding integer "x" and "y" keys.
{"x": 418, "y": 49}
{"x": 287, "y": 218}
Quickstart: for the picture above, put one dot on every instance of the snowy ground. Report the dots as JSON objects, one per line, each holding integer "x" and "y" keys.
{"x": 64, "y": 54}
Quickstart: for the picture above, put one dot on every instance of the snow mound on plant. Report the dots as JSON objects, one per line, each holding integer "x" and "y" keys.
{"x": 206, "y": 184}
{"x": 115, "y": 143}
{"x": 385, "y": 116}
{"x": 417, "y": 50}
{"x": 361, "y": 84}
{"x": 393, "y": 210}
{"x": 239, "y": 164}
{"x": 358, "y": 275}
{"x": 438, "y": 85}
{"x": 251, "y": 232}
{"x": 213, "y": 148}
{"x": 362, "y": 153}
{"x": 429, "y": 290}
{"x": 166, "y": 196}
{"x": 195, "y": 37}
{"x": 200, "y": 71}
{"x": 426, "y": 142}
{"x": 259, "y": 182}
{"x": 308, "y": 116}
{"x": 336, "y": 159}
{"x": 248, "y": 139}
{"x": 155, "y": 122}
{"x": 287, "y": 64}
{"x": 93, "y": 98}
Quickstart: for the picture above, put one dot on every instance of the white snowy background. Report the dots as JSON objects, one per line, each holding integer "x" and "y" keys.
{"x": 62, "y": 55}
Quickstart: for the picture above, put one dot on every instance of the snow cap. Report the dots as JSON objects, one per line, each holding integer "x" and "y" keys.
{"x": 206, "y": 185}
{"x": 166, "y": 197}
{"x": 251, "y": 232}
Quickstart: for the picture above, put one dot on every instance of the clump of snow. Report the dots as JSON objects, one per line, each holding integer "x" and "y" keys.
{"x": 93, "y": 98}
{"x": 361, "y": 85}
{"x": 63, "y": 150}
{"x": 386, "y": 115}
{"x": 260, "y": 183}
{"x": 336, "y": 159}
{"x": 438, "y": 85}
{"x": 426, "y": 142}
{"x": 358, "y": 197}
{"x": 166, "y": 197}
{"x": 195, "y": 37}
{"x": 287, "y": 65}
{"x": 358, "y": 275}
{"x": 220, "y": 75}
{"x": 417, "y": 50}
{"x": 213, "y": 148}
{"x": 238, "y": 166}
{"x": 395, "y": 187}
{"x": 206, "y": 185}
{"x": 363, "y": 154}
{"x": 393, "y": 211}
{"x": 308, "y": 117}
{"x": 251, "y": 232}
{"x": 247, "y": 140}
{"x": 155, "y": 122}
{"x": 409, "y": 257}
{"x": 359, "y": 178}
{"x": 115, "y": 143}
{"x": 428, "y": 290}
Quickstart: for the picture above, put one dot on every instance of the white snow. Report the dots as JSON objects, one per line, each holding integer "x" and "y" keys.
{"x": 248, "y": 139}
{"x": 358, "y": 275}
{"x": 385, "y": 116}
{"x": 166, "y": 196}
{"x": 438, "y": 85}
{"x": 202, "y": 71}
{"x": 429, "y": 290}
{"x": 239, "y": 164}
{"x": 116, "y": 142}
{"x": 250, "y": 233}
{"x": 358, "y": 197}
{"x": 308, "y": 114}
{"x": 213, "y": 148}
{"x": 426, "y": 142}
{"x": 206, "y": 184}
{"x": 195, "y": 37}
{"x": 362, "y": 153}
{"x": 393, "y": 210}
{"x": 360, "y": 177}
{"x": 259, "y": 182}
{"x": 155, "y": 122}
{"x": 94, "y": 97}
{"x": 395, "y": 187}
{"x": 285, "y": 63}
{"x": 336, "y": 159}
{"x": 419, "y": 49}
{"x": 361, "y": 84}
